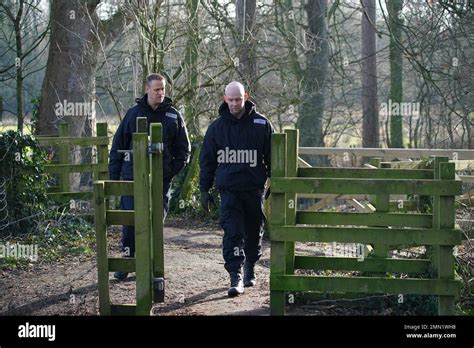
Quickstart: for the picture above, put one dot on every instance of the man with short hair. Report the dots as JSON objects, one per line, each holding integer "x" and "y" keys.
{"x": 236, "y": 152}
{"x": 157, "y": 109}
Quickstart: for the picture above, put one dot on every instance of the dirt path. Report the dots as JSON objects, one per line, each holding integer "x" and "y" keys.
{"x": 196, "y": 282}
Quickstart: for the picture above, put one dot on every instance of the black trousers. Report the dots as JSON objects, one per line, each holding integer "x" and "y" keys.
{"x": 243, "y": 222}
{"x": 128, "y": 231}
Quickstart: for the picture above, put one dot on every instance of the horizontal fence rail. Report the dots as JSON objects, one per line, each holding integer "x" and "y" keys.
{"x": 461, "y": 154}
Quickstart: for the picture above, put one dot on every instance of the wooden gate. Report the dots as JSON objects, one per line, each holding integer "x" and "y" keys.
{"x": 147, "y": 189}
{"x": 382, "y": 229}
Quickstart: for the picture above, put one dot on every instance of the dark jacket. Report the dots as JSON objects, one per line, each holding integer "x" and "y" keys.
{"x": 222, "y": 156}
{"x": 175, "y": 139}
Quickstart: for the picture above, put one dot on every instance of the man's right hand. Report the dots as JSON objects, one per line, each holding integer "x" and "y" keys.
{"x": 206, "y": 201}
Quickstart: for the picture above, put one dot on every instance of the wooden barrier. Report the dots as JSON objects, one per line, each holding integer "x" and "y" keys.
{"x": 147, "y": 190}
{"x": 382, "y": 229}
{"x": 62, "y": 193}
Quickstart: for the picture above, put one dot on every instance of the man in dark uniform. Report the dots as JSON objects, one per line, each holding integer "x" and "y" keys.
{"x": 236, "y": 152}
{"x": 156, "y": 108}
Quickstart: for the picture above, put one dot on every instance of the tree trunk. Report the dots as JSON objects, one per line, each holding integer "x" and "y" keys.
{"x": 68, "y": 83}
{"x": 394, "y": 8}
{"x": 19, "y": 69}
{"x": 245, "y": 27}
{"x": 370, "y": 123}
{"x": 191, "y": 60}
{"x": 68, "y": 92}
{"x": 317, "y": 53}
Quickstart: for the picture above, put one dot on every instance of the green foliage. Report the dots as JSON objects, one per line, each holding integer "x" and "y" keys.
{"x": 415, "y": 305}
{"x": 65, "y": 234}
{"x": 27, "y": 216}
{"x": 463, "y": 271}
{"x": 35, "y": 102}
{"x": 23, "y": 197}
{"x": 57, "y": 236}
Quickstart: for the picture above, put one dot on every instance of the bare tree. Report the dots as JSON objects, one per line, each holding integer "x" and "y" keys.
{"x": 245, "y": 20}
{"x": 191, "y": 66}
{"x": 68, "y": 92}
{"x": 310, "y": 121}
{"x": 24, "y": 46}
{"x": 370, "y": 126}
{"x": 394, "y": 8}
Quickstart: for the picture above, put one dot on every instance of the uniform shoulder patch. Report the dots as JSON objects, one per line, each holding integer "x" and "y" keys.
{"x": 259, "y": 120}
{"x": 170, "y": 114}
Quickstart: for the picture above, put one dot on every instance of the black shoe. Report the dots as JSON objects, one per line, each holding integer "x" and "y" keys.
{"x": 249, "y": 275}
{"x": 236, "y": 285}
{"x": 120, "y": 275}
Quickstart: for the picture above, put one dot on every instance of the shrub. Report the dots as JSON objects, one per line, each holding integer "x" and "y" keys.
{"x": 23, "y": 199}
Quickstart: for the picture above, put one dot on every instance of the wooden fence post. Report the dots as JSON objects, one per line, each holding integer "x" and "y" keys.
{"x": 141, "y": 190}
{"x": 432, "y": 250}
{"x": 446, "y": 219}
{"x": 63, "y": 157}
{"x": 382, "y": 205}
{"x": 278, "y": 218}
{"x": 102, "y": 152}
{"x": 157, "y": 214}
{"x": 290, "y": 198}
{"x": 101, "y": 241}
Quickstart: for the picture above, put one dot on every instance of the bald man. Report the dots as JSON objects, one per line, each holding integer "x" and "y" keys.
{"x": 236, "y": 153}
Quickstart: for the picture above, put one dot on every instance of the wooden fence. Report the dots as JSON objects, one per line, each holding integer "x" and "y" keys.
{"x": 63, "y": 143}
{"x": 381, "y": 229}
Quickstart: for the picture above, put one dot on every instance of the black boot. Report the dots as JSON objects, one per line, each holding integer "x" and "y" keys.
{"x": 249, "y": 274}
{"x": 120, "y": 275}
{"x": 236, "y": 285}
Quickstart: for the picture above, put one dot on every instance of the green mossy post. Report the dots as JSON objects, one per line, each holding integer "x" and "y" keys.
{"x": 157, "y": 212}
{"x": 291, "y": 164}
{"x": 382, "y": 205}
{"x": 277, "y": 218}
{"x": 446, "y": 220}
{"x": 102, "y": 173}
{"x": 142, "y": 224}
{"x": 141, "y": 193}
{"x": 433, "y": 251}
{"x": 63, "y": 157}
{"x": 101, "y": 240}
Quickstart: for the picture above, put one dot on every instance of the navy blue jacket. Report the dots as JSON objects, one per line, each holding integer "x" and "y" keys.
{"x": 177, "y": 148}
{"x": 228, "y": 147}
